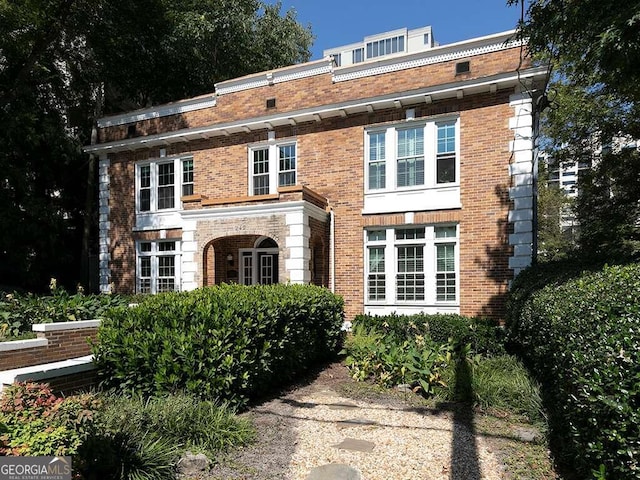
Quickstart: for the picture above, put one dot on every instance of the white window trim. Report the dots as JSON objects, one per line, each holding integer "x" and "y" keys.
{"x": 255, "y": 274}
{"x": 274, "y": 163}
{"x": 391, "y": 262}
{"x": 177, "y": 183}
{"x": 430, "y": 154}
{"x": 154, "y": 254}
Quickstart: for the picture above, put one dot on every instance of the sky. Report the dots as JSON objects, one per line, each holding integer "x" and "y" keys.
{"x": 340, "y": 22}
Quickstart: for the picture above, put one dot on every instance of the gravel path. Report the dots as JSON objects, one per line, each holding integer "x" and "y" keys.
{"x": 385, "y": 438}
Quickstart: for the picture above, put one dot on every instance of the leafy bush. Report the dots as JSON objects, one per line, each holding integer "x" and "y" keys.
{"x": 582, "y": 339}
{"x": 385, "y": 359}
{"x": 484, "y": 335}
{"x": 19, "y": 311}
{"x": 228, "y": 342}
{"x": 36, "y": 422}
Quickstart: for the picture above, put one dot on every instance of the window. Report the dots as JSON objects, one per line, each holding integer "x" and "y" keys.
{"x": 446, "y": 155}
{"x": 412, "y": 266}
{"x": 158, "y": 266}
{"x": 376, "y": 281}
{"x": 409, "y": 157}
{"x": 187, "y": 177}
{"x": 385, "y": 46}
{"x": 377, "y": 177}
{"x": 357, "y": 55}
{"x": 271, "y": 167}
{"x": 337, "y": 59}
{"x": 160, "y": 182}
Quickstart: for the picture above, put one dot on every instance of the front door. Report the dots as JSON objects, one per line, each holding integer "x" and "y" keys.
{"x": 259, "y": 266}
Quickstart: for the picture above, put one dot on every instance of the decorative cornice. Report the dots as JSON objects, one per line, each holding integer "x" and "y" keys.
{"x": 183, "y": 106}
{"x": 272, "y": 77}
{"x": 318, "y": 113}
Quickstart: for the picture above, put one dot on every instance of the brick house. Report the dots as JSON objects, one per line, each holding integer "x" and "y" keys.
{"x": 396, "y": 172}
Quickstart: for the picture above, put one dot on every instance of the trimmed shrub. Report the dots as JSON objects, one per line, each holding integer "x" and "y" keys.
{"x": 582, "y": 340}
{"x": 484, "y": 335}
{"x": 229, "y": 342}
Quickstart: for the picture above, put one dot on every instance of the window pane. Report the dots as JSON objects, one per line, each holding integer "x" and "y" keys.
{"x": 409, "y": 233}
{"x": 144, "y": 275}
{"x": 145, "y": 188}
{"x": 145, "y": 247}
{"x": 261, "y": 172}
{"x": 145, "y": 200}
{"x": 374, "y": 235}
{"x": 376, "y": 280}
{"x": 410, "y": 157}
{"x": 165, "y": 186}
{"x": 187, "y": 177}
{"x": 445, "y": 232}
{"x": 447, "y": 137}
{"x": 165, "y": 197}
{"x": 376, "y": 146}
{"x": 287, "y": 165}
{"x": 445, "y": 258}
{"x": 446, "y": 287}
{"x": 166, "y": 246}
{"x": 377, "y": 175}
{"x": 446, "y": 168}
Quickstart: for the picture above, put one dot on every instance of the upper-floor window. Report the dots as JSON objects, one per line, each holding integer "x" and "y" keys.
{"x": 357, "y": 55}
{"x": 385, "y": 46}
{"x": 412, "y": 156}
{"x": 159, "y": 183}
{"x": 270, "y": 167}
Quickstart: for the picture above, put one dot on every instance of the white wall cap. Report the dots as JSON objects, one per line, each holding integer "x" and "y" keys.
{"x": 53, "y": 327}
{"x": 23, "y": 344}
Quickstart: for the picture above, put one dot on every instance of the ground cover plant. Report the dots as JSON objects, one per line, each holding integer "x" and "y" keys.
{"x": 581, "y": 337}
{"x": 18, "y": 311}
{"x": 445, "y": 357}
{"x": 230, "y": 342}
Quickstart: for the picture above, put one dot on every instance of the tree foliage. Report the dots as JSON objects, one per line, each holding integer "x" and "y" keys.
{"x": 65, "y": 62}
{"x": 593, "y": 47}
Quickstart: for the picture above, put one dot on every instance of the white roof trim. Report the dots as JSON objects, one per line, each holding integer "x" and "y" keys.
{"x": 161, "y": 111}
{"x": 433, "y": 55}
{"x": 280, "y": 75}
{"x": 324, "y": 111}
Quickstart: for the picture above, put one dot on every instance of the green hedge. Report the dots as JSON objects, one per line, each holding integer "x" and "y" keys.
{"x": 484, "y": 335}
{"x": 582, "y": 340}
{"x": 229, "y": 342}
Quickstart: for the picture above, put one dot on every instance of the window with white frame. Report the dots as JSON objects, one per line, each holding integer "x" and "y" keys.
{"x": 161, "y": 182}
{"x": 410, "y": 156}
{"x": 158, "y": 266}
{"x": 270, "y": 167}
{"x": 415, "y": 265}
{"x": 357, "y": 55}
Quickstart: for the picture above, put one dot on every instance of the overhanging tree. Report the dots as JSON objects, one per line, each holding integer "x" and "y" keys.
{"x": 593, "y": 47}
{"x": 65, "y": 62}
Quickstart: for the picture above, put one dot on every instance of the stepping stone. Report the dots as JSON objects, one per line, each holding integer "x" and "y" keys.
{"x": 526, "y": 434}
{"x": 334, "y": 471}
{"x": 355, "y": 445}
{"x": 339, "y": 406}
{"x": 355, "y": 422}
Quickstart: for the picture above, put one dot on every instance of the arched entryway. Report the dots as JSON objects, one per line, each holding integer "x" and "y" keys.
{"x": 245, "y": 259}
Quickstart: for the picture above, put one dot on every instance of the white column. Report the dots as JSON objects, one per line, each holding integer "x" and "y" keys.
{"x": 297, "y": 244}
{"x": 104, "y": 224}
{"x": 522, "y": 180}
{"x": 189, "y": 255}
